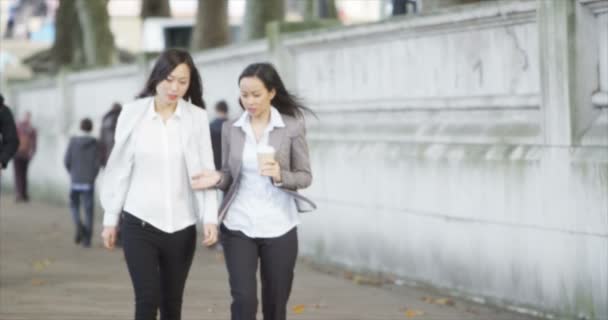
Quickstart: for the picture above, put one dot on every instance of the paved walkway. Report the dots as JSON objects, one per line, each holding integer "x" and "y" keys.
{"x": 43, "y": 275}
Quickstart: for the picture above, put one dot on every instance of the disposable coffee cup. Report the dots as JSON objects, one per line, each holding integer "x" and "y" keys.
{"x": 265, "y": 154}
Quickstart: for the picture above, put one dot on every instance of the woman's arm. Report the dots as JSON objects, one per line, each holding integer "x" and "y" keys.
{"x": 117, "y": 174}
{"x": 207, "y": 198}
{"x": 226, "y": 177}
{"x": 300, "y": 175}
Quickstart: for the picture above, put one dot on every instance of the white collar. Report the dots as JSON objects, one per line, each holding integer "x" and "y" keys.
{"x": 276, "y": 120}
{"x": 152, "y": 114}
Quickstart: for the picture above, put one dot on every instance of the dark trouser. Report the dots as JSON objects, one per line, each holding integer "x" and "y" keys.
{"x": 158, "y": 263}
{"x": 277, "y": 258}
{"x": 20, "y": 165}
{"x": 87, "y": 202}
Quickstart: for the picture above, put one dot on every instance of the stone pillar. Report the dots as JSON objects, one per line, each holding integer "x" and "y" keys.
{"x": 281, "y": 56}
{"x": 556, "y": 40}
{"x": 568, "y": 70}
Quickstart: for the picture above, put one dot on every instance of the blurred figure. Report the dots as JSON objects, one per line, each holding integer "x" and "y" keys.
{"x": 27, "y": 148}
{"x": 221, "y": 115}
{"x": 9, "y": 142}
{"x": 106, "y": 135}
{"x": 82, "y": 162}
{"x": 400, "y": 7}
{"x": 10, "y": 22}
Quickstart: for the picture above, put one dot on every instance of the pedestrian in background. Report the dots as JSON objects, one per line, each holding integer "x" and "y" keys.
{"x": 221, "y": 115}
{"x": 27, "y": 148}
{"x": 82, "y": 161}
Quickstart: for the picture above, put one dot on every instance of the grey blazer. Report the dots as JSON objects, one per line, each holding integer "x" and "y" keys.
{"x": 291, "y": 154}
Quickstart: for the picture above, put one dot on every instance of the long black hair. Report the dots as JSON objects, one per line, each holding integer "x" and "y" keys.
{"x": 283, "y": 101}
{"x": 166, "y": 62}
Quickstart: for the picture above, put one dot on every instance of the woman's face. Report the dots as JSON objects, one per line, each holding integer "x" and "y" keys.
{"x": 174, "y": 87}
{"x": 254, "y": 96}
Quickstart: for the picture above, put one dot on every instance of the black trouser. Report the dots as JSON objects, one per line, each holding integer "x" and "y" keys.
{"x": 20, "y": 165}
{"x": 277, "y": 258}
{"x": 158, "y": 263}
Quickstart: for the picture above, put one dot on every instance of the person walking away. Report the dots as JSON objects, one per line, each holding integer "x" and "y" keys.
{"x": 82, "y": 161}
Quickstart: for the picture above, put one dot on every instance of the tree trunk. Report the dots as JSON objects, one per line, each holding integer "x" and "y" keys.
{"x": 66, "y": 47}
{"x": 155, "y": 8}
{"x": 97, "y": 39}
{"x": 309, "y": 10}
{"x": 211, "y": 29}
{"x": 258, "y": 13}
{"x": 324, "y": 9}
{"x": 327, "y": 9}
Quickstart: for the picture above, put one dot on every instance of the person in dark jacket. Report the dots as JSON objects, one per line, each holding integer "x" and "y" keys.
{"x": 9, "y": 141}
{"x": 106, "y": 134}
{"x": 82, "y": 161}
{"x": 221, "y": 115}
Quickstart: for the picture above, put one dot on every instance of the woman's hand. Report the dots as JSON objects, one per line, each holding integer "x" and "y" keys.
{"x": 271, "y": 169}
{"x": 205, "y": 180}
{"x": 209, "y": 234}
{"x": 109, "y": 237}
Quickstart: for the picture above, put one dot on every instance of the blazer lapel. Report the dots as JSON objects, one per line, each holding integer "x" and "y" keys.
{"x": 275, "y": 138}
{"x": 238, "y": 138}
{"x": 132, "y": 115}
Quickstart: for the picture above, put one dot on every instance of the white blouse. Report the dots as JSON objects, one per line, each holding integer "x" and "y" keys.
{"x": 159, "y": 189}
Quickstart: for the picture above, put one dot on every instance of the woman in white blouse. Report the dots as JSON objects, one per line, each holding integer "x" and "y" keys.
{"x": 161, "y": 141}
{"x": 259, "y": 213}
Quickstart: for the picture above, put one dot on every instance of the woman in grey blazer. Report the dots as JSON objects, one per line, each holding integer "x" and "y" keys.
{"x": 259, "y": 214}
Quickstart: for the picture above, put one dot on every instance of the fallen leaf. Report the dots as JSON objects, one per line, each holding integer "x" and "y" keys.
{"x": 361, "y": 280}
{"x": 438, "y": 301}
{"x": 299, "y": 308}
{"x": 41, "y": 264}
{"x": 444, "y": 301}
{"x": 410, "y": 313}
{"x": 38, "y": 282}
